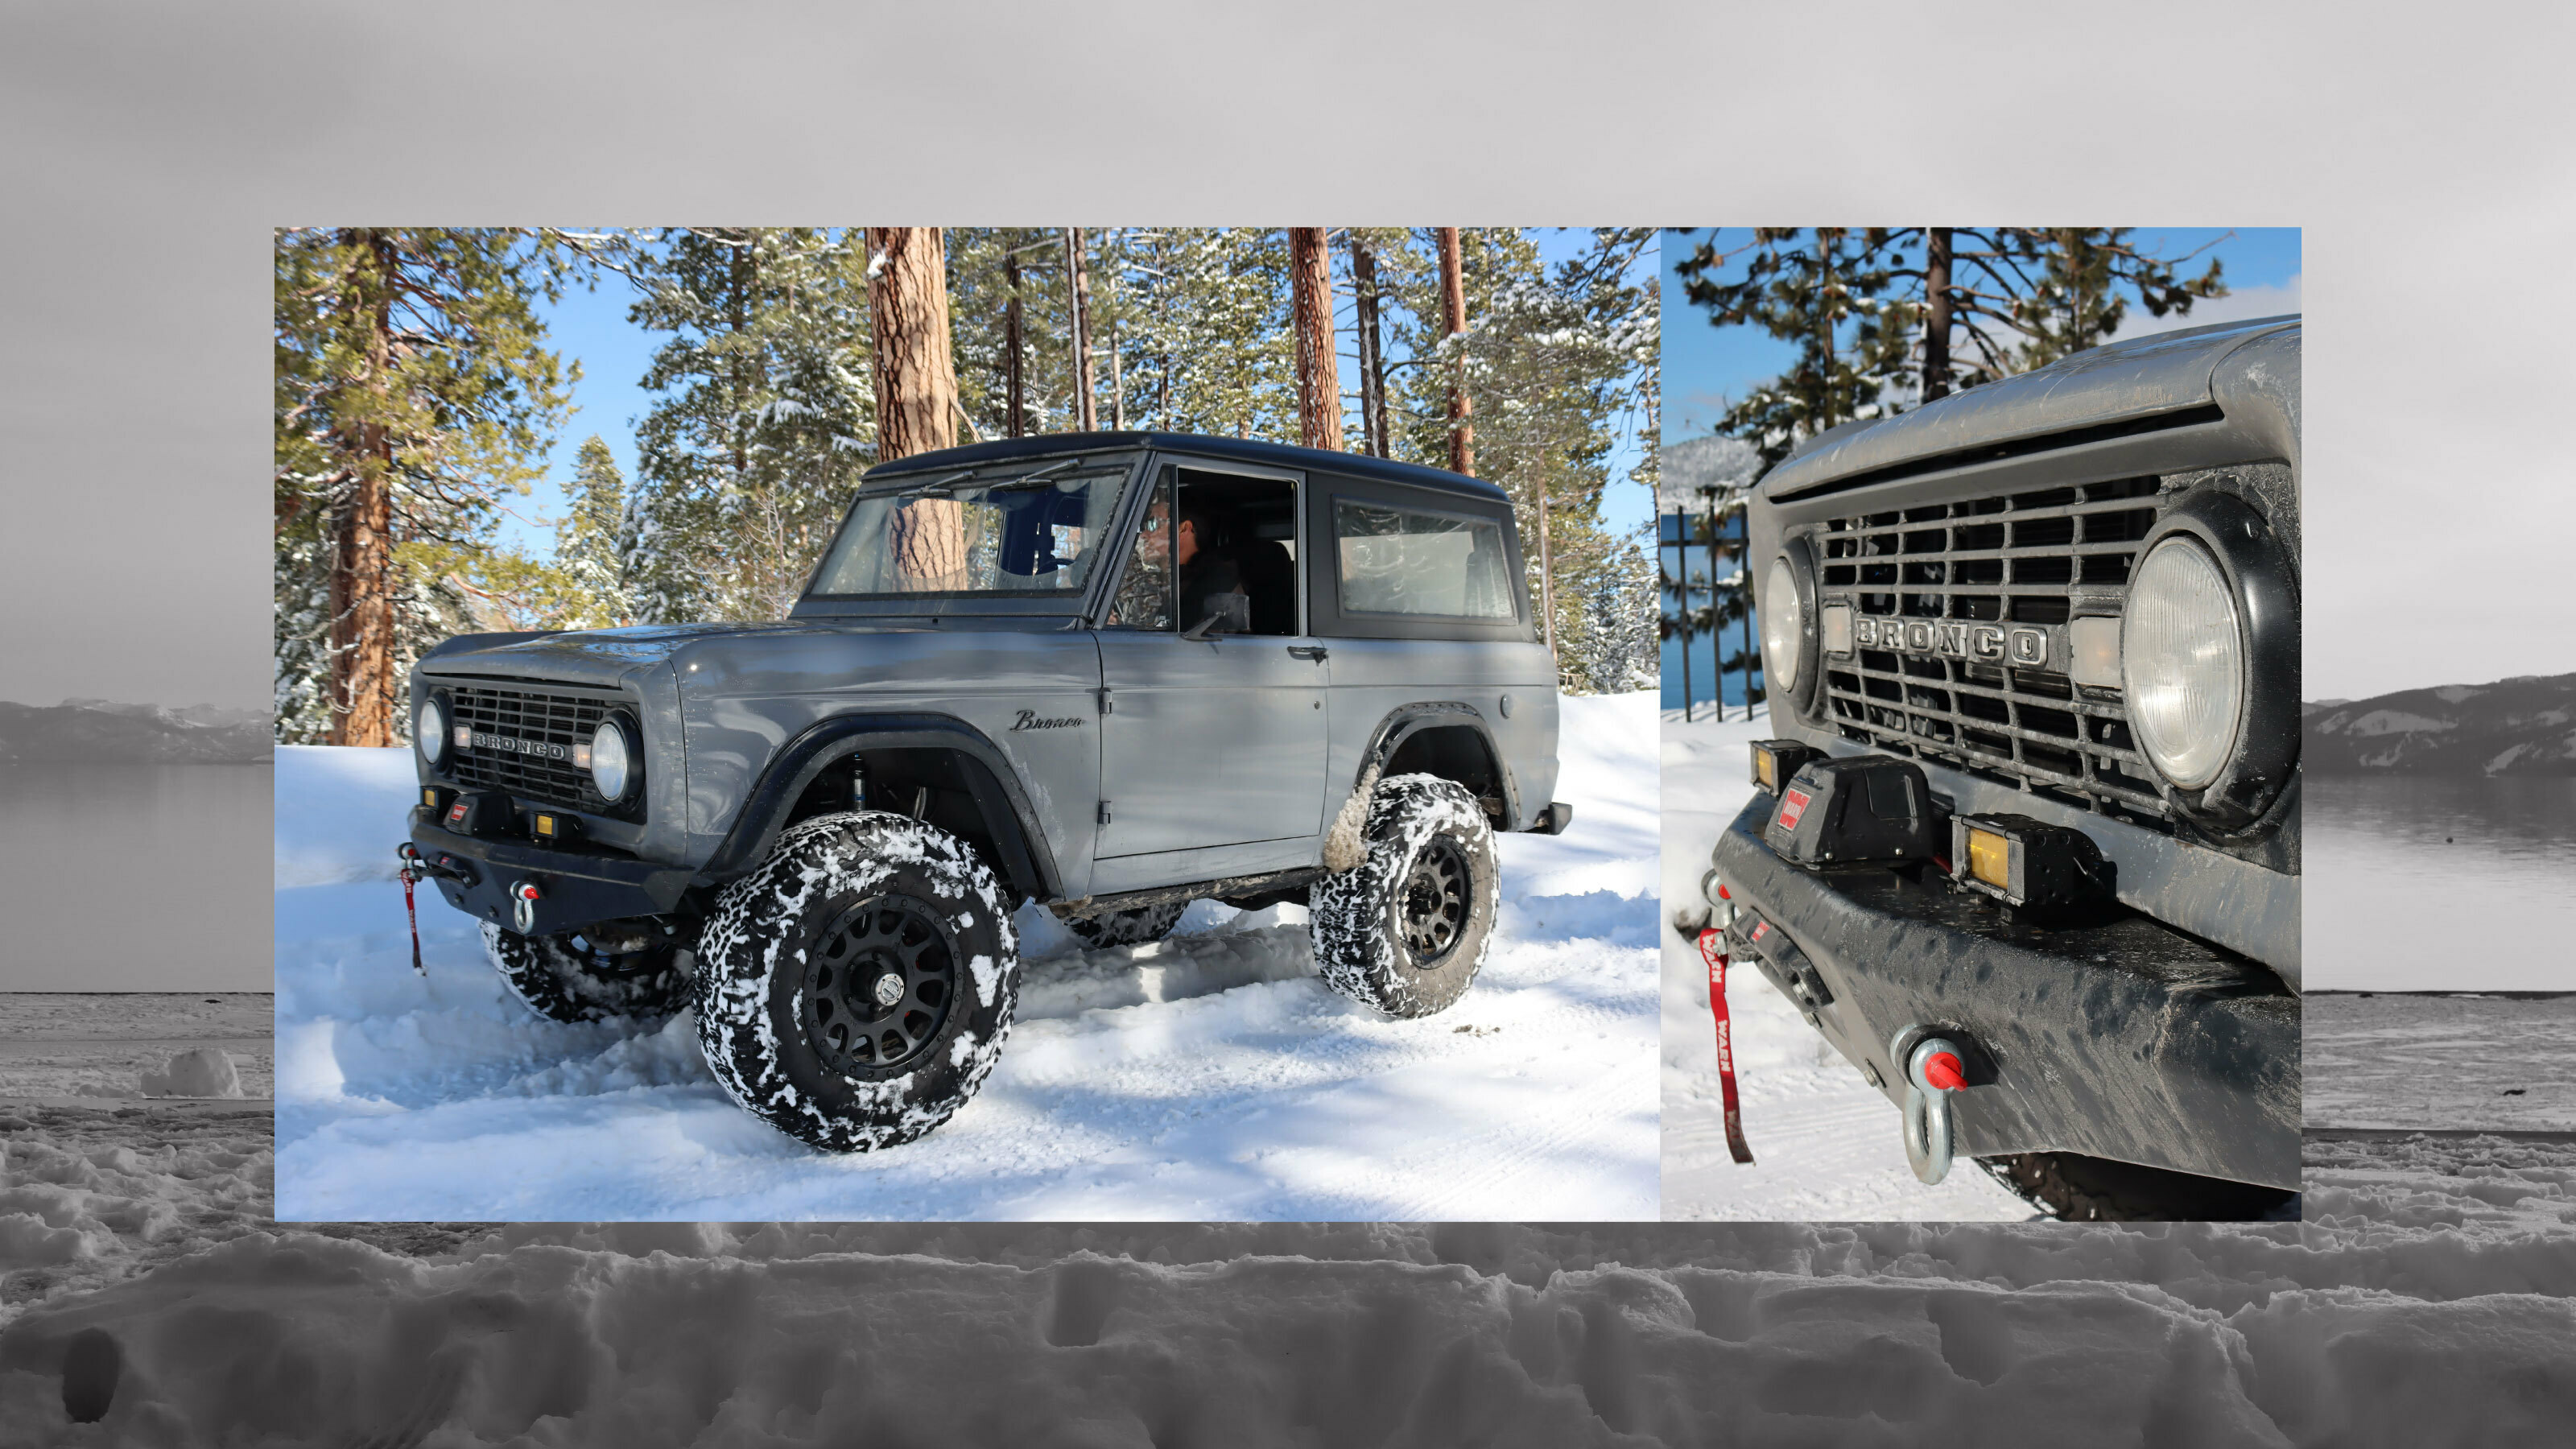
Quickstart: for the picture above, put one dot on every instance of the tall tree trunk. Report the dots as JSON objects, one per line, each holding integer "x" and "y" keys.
{"x": 908, "y": 306}
{"x": 1015, "y": 385}
{"x": 1936, "y": 314}
{"x": 1546, "y": 570}
{"x": 1319, "y": 386}
{"x": 1372, "y": 347}
{"x": 1825, "y": 248}
{"x": 362, "y": 564}
{"x": 1453, "y": 323}
{"x": 1086, "y": 412}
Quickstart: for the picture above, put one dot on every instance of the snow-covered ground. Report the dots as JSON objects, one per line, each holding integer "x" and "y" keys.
{"x": 102, "y": 1044}
{"x": 1209, "y": 1077}
{"x": 2369, "y": 1331}
{"x": 1825, "y": 1142}
{"x": 2376, "y": 1060}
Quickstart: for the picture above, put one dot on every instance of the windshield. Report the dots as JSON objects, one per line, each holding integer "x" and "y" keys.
{"x": 1024, "y": 527}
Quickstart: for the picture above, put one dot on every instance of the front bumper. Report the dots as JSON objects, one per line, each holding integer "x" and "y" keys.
{"x": 2122, "y": 1039}
{"x": 579, "y": 886}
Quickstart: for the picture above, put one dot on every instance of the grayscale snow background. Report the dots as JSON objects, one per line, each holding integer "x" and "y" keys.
{"x": 1826, "y": 1144}
{"x": 1210, "y": 1076}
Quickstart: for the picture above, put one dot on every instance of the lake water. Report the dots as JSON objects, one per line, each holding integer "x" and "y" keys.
{"x": 2440, "y": 883}
{"x": 135, "y": 877}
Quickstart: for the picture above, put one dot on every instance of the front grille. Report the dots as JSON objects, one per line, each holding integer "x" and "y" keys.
{"x": 536, "y": 718}
{"x": 2032, "y": 559}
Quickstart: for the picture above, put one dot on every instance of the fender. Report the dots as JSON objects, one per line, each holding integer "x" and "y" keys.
{"x": 1008, "y": 815}
{"x": 1406, "y": 721}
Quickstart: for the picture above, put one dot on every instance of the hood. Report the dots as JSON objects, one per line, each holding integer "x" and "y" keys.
{"x": 2125, "y": 384}
{"x": 601, "y": 657}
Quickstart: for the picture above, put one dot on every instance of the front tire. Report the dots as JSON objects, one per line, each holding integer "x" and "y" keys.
{"x": 568, "y": 978}
{"x": 1406, "y": 929}
{"x": 855, "y": 989}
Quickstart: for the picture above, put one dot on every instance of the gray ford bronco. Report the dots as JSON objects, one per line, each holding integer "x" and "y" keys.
{"x": 1109, "y": 672}
{"x": 2026, "y": 848}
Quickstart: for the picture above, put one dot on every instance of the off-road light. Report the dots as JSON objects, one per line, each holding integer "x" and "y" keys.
{"x": 1860, "y": 808}
{"x": 1784, "y": 624}
{"x": 2182, "y": 662}
{"x": 547, "y": 825}
{"x": 1778, "y": 760}
{"x": 429, "y": 731}
{"x": 611, "y": 758}
{"x": 2026, "y": 862}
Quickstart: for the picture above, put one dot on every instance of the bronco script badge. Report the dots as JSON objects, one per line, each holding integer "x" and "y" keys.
{"x": 1955, "y": 639}
{"x": 1031, "y": 720}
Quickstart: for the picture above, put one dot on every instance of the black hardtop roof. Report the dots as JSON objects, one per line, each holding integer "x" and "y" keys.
{"x": 1243, "y": 450}
{"x": 2161, "y": 373}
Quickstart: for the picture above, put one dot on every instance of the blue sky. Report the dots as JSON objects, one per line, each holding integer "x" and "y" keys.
{"x": 591, "y": 326}
{"x": 1704, "y": 365}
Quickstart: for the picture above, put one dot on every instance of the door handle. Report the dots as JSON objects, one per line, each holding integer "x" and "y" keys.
{"x": 1316, "y": 652}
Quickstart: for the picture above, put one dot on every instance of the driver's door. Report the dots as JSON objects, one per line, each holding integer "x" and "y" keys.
{"x": 1216, "y": 740}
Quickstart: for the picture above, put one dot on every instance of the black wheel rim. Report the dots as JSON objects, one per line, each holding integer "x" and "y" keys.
{"x": 1432, "y": 911}
{"x": 878, "y": 985}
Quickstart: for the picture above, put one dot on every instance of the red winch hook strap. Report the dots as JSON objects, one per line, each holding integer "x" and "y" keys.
{"x": 1709, "y": 943}
{"x": 409, "y": 876}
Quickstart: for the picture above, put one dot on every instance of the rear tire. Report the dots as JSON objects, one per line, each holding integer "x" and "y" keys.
{"x": 1406, "y": 929}
{"x": 1142, "y": 926}
{"x": 566, "y": 978}
{"x": 2077, "y": 1189}
{"x": 855, "y": 989}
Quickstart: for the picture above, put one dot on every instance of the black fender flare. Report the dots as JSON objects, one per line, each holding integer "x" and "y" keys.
{"x": 1405, "y": 721}
{"x": 1026, "y": 861}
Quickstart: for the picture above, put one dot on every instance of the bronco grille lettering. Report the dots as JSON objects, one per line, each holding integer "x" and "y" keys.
{"x": 1953, "y": 639}
{"x": 536, "y": 749}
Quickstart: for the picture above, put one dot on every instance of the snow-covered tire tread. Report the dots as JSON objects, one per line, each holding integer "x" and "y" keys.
{"x": 553, "y": 980}
{"x": 761, "y": 926}
{"x": 1359, "y": 948}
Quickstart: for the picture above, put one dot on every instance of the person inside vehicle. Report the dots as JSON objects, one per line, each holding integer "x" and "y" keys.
{"x": 1205, "y": 571}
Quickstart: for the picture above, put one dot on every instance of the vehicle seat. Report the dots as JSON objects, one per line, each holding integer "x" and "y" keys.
{"x": 1270, "y": 579}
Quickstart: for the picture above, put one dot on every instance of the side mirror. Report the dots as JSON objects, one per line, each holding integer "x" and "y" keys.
{"x": 1226, "y": 614}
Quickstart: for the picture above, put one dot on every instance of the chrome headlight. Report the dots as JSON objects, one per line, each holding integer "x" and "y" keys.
{"x": 429, "y": 730}
{"x": 612, "y": 761}
{"x": 1784, "y": 626}
{"x": 2182, "y": 662}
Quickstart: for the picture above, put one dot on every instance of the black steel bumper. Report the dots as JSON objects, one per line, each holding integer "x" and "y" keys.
{"x": 578, "y": 887}
{"x": 2119, "y": 1038}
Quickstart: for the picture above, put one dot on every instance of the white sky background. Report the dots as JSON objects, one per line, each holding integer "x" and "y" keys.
{"x": 154, "y": 146}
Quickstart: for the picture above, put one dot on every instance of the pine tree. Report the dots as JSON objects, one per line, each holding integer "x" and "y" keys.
{"x": 412, "y": 391}
{"x": 591, "y": 554}
{"x": 1826, "y": 291}
{"x": 768, "y": 415}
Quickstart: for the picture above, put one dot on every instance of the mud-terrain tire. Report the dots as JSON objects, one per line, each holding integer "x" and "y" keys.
{"x": 855, "y": 989}
{"x": 1406, "y": 929}
{"x": 566, "y": 978}
{"x": 2078, "y": 1189}
{"x": 1139, "y": 927}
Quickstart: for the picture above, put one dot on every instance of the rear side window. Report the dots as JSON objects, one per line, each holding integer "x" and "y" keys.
{"x": 1402, "y": 561}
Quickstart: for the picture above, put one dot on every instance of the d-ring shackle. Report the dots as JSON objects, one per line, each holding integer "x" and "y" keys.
{"x": 1929, "y": 1081}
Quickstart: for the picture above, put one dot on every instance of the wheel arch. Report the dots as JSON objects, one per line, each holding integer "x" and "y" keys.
{"x": 979, "y": 795}
{"x": 1449, "y": 739}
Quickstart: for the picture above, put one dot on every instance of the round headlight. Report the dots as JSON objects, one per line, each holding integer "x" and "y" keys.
{"x": 611, "y": 761}
{"x": 429, "y": 730}
{"x": 2182, "y": 662}
{"x": 1784, "y": 625}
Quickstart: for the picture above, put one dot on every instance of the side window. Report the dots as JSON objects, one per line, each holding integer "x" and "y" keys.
{"x": 1213, "y": 543}
{"x": 1402, "y": 561}
{"x": 1144, "y": 597}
